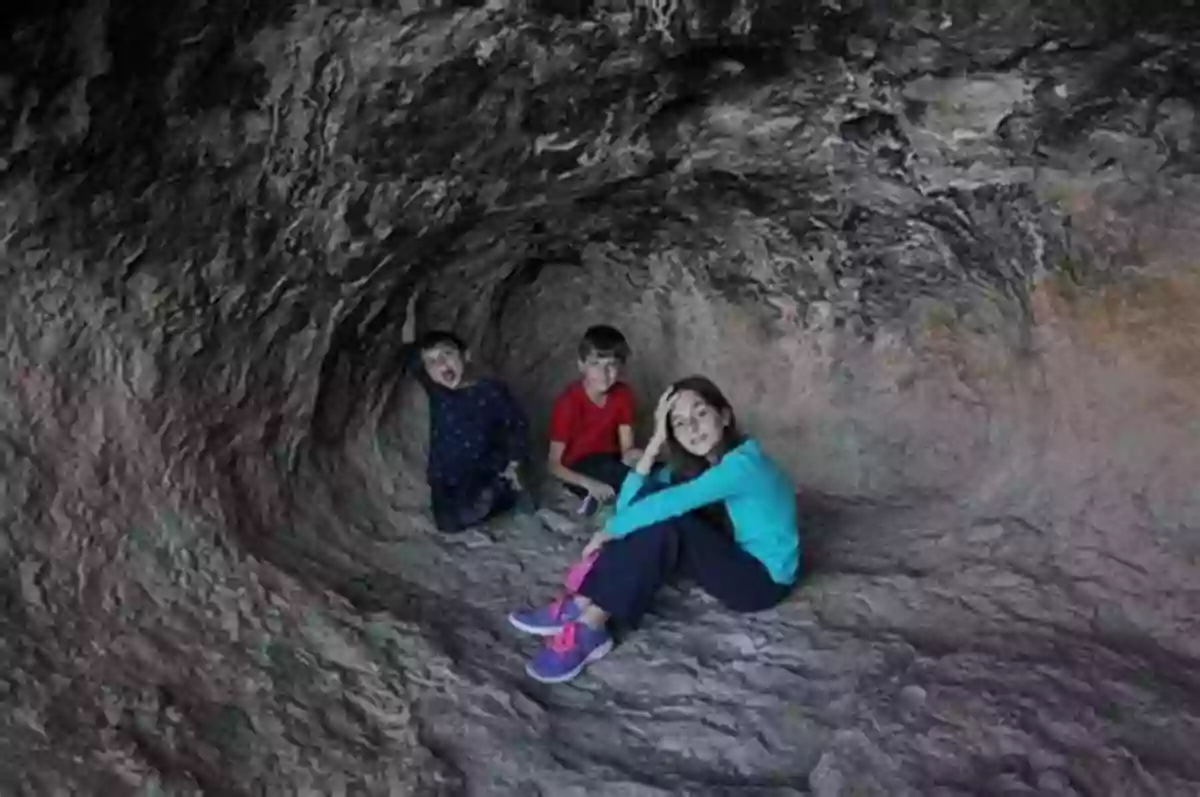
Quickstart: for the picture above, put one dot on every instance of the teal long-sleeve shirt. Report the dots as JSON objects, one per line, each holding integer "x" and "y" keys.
{"x": 757, "y": 494}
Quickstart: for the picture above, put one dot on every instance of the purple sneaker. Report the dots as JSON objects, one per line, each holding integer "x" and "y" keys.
{"x": 565, "y": 656}
{"x": 548, "y": 620}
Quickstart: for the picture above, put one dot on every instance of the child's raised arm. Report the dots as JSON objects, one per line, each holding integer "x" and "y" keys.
{"x": 408, "y": 332}
{"x": 410, "y": 357}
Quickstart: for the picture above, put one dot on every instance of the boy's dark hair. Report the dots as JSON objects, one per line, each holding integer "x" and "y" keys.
{"x": 604, "y": 341}
{"x": 440, "y": 337}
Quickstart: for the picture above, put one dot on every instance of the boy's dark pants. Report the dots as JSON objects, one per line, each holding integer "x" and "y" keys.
{"x": 458, "y": 509}
{"x": 607, "y": 468}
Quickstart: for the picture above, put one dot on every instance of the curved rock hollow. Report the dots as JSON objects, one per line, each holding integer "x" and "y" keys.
{"x": 945, "y": 266}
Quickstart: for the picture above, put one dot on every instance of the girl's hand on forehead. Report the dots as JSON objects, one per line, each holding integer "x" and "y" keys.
{"x": 662, "y": 413}
{"x": 665, "y": 402}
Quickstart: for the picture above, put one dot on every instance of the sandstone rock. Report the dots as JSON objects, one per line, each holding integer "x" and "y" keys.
{"x": 944, "y": 266}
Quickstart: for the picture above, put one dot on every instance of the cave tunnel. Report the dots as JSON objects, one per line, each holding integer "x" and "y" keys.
{"x": 940, "y": 256}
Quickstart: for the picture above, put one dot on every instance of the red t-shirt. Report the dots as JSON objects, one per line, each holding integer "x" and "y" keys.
{"x": 586, "y": 428}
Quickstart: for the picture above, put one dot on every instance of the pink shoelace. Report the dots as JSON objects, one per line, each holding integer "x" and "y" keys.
{"x": 564, "y": 640}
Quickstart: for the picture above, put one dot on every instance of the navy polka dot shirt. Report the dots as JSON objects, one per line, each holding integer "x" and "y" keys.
{"x": 475, "y": 430}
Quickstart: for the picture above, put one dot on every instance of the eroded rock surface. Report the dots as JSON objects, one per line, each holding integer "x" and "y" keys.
{"x": 945, "y": 264}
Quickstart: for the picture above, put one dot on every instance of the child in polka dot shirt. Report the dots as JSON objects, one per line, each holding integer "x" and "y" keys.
{"x": 478, "y": 437}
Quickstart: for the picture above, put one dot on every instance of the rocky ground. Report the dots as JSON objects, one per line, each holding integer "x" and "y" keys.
{"x": 941, "y": 256}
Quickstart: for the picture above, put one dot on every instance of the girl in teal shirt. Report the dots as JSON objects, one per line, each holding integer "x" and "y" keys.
{"x": 722, "y": 513}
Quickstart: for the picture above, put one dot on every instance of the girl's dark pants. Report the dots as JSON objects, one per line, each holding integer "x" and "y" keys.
{"x": 631, "y": 569}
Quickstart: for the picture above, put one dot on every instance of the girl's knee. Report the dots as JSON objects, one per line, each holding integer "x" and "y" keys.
{"x": 646, "y": 538}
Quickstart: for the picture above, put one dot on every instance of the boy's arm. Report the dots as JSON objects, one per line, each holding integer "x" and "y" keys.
{"x": 629, "y": 454}
{"x": 560, "y": 428}
{"x": 625, "y": 436}
{"x": 410, "y": 362}
{"x": 408, "y": 332}
{"x": 410, "y": 358}
{"x": 555, "y": 465}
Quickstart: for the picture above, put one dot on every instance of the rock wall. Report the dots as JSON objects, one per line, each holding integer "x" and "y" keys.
{"x": 942, "y": 258}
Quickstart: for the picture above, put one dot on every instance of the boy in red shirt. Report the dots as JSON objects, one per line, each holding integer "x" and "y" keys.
{"x": 591, "y": 424}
